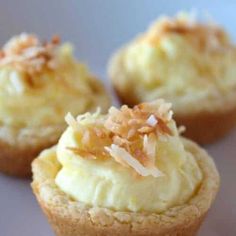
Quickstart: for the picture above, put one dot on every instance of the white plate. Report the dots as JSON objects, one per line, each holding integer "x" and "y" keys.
{"x": 97, "y": 28}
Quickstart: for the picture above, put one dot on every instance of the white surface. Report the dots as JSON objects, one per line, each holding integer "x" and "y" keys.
{"x": 97, "y": 28}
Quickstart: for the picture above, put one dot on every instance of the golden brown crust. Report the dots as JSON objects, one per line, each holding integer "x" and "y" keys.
{"x": 72, "y": 218}
{"x": 207, "y": 127}
{"x": 20, "y": 147}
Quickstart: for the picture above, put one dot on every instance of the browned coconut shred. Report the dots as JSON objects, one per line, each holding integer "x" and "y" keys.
{"x": 127, "y": 135}
{"x": 27, "y": 54}
{"x": 208, "y": 37}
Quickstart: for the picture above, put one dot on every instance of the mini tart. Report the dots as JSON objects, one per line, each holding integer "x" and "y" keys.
{"x": 191, "y": 65}
{"x": 39, "y": 83}
{"x": 70, "y": 217}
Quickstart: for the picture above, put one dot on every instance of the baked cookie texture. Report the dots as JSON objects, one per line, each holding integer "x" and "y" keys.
{"x": 39, "y": 83}
{"x": 188, "y": 63}
{"x": 60, "y": 167}
{"x": 20, "y": 147}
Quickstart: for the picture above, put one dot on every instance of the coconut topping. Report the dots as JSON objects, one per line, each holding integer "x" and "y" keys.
{"x": 152, "y": 121}
{"x": 127, "y": 135}
{"x": 27, "y": 54}
{"x": 202, "y": 36}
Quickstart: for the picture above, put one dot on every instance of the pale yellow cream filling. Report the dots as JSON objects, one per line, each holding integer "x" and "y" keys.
{"x": 45, "y": 101}
{"x": 173, "y": 68}
{"x": 106, "y": 183}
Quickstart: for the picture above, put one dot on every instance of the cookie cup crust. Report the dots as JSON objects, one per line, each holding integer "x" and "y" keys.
{"x": 18, "y": 147}
{"x": 208, "y": 127}
{"x": 72, "y": 218}
{"x": 202, "y": 126}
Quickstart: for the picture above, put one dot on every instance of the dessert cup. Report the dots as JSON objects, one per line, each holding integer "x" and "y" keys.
{"x": 69, "y": 216}
{"x": 39, "y": 83}
{"x": 187, "y": 63}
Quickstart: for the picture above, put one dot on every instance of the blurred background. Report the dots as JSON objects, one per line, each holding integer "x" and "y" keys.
{"x": 97, "y": 28}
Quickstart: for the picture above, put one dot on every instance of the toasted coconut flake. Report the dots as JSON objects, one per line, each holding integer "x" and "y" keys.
{"x": 116, "y": 157}
{"x": 122, "y": 156}
{"x": 145, "y": 130}
{"x": 87, "y": 115}
{"x": 99, "y": 133}
{"x": 165, "y": 112}
{"x": 152, "y": 121}
{"x": 79, "y": 118}
{"x": 133, "y": 122}
{"x": 142, "y": 118}
{"x": 86, "y": 138}
{"x": 131, "y": 133}
{"x": 149, "y": 147}
{"x": 71, "y": 121}
{"x": 82, "y": 153}
{"x": 163, "y": 128}
{"x": 27, "y": 54}
{"x": 120, "y": 141}
{"x": 141, "y": 156}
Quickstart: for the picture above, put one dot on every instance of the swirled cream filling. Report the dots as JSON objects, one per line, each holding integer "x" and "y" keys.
{"x": 41, "y": 82}
{"x": 183, "y": 61}
{"x": 128, "y": 160}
